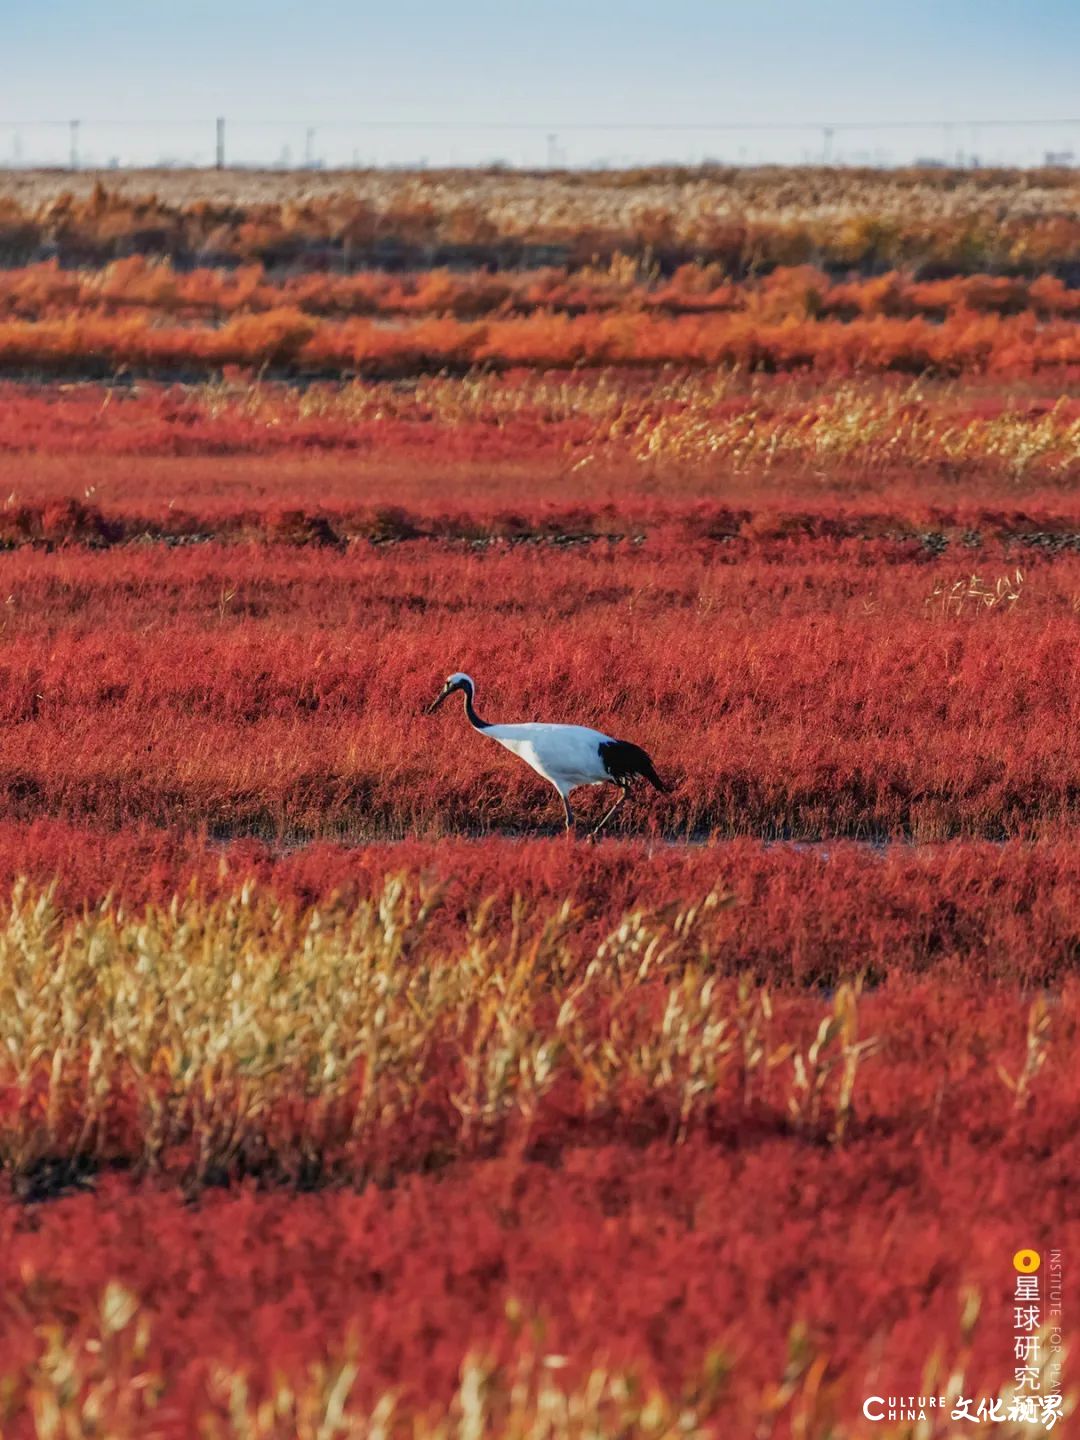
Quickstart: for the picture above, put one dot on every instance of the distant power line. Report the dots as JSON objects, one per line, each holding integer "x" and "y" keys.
{"x": 653, "y": 126}
{"x": 220, "y": 141}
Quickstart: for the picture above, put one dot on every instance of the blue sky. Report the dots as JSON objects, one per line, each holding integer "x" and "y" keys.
{"x": 147, "y": 79}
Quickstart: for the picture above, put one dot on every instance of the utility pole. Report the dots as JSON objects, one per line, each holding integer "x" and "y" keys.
{"x": 73, "y": 135}
{"x": 552, "y": 151}
{"x": 220, "y": 147}
{"x": 826, "y": 151}
{"x": 309, "y": 148}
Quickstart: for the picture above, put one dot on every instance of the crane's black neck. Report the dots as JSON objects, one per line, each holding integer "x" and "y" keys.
{"x": 470, "y": 710}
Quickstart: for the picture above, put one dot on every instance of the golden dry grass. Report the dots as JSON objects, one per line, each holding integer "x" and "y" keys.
{"x": 243, "y": 1035}
{"x": 98, "y": 1375}
{"x": 214, "y": 1039}
{"x": 750, "y": 424}
{"x": 516, "y": 200}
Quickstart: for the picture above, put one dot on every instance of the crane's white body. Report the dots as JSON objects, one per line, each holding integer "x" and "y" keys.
{"x": 565, "y": 755}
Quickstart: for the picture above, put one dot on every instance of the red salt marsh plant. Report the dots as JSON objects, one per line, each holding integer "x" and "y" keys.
{"x": 608, "y": 1154}
{"x": 104, "y": 1361}
{"x": 279, "y": 692}
{"x": 217, "y": 1039}
{"x": 808, "y": 916}
{"x": 136, "y": 284}
{"x": 623, "y": 448}
{"x": 292, "y": 343}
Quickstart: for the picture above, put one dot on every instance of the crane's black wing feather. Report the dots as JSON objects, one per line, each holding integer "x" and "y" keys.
{"x": 624, "y": 760}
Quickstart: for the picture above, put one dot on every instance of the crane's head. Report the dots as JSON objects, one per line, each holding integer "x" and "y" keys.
{"x": 457, "y": 681}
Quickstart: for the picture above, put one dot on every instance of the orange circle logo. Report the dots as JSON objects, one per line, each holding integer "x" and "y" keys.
{"x": 1027, "y": 1261}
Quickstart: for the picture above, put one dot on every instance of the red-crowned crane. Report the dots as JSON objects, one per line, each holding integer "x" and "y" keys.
{"x": 565, "y": 755}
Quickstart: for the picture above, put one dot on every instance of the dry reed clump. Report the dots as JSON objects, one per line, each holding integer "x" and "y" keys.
{"x": 238, "y": 1036}
{"x": 209, "y": 1040}
{"x": 753, "y": 426}
{"x": 98, "y": 1370}
{"x": 975, "y": 595}
{"x": 851, "y": 424}
{"x": 745, "y": 219}
{"x": 859, "y": 436}
{"x": 99, "y": 1374}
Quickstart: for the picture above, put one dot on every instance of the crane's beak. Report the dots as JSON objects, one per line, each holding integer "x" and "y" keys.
{"x": 443, "y": 693}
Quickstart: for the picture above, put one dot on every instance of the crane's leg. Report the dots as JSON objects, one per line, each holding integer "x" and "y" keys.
{"x": 624, "y": 791}
{"x": 569, "y": 813}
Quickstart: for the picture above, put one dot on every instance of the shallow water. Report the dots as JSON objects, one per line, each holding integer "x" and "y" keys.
{"x": 290, "y": 843}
